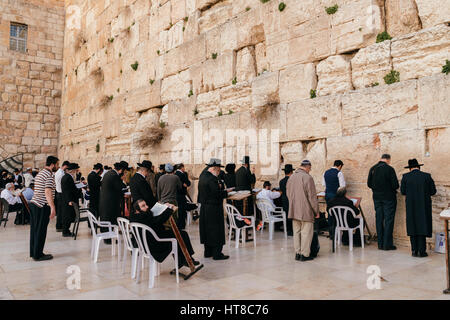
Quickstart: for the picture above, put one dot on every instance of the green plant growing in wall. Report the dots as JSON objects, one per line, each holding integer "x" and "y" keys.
{"x": 71, "y": 144}
{"x": 312, "y": 93}
{"x": 111, "y": 40}
{"x": 446, "y": 67}
{"x": 118, "y": 90}
{"x": 196, "y": 111}
{"x": 220, "y": 113}
{"x": 158, "y": 52}
{"x": 383, "y": 36}
{"x": 186, "y": 19}
{"x": 152, "y": 81}
{"x": 214, "y": 55}
{"x": 162, "y": 124}
{"x": 392, "y": 77}
{"x": 234, "y": 81}
{"x": 230, "y": 111}
{"x": 76, "y": 71}
{"x": 247, "y": 9}
{"x": 190, "y": 93}
{"x": 332, "y": 10}
{"x": 97, "y": 148}
{"x": 135, "y": 65}
{"x": 120, "y": 54}
{"x": 121, "y": 71}
{"x": 264, "y": 1}
{"x": 282, "y": 6}
{"x": 374, "y": 84}
{"x": 184, "y": 28}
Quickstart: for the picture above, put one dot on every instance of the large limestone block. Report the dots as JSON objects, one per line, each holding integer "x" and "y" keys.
{"x": 260, "y": 58}
{"x": 314, "y": 118}
{"x": 433, "y": 12}
{"x": 171, "y": 38}
{"x": 265, "y": 90}
{"x": 433, "y": 97}
{"x": 181, "y": 111}
{"x": 380, "y": 109}
{"x": 371, "y": 64}
{"x": 297, "y": 81}
{"x": 334, "y": 75}
{"x": 439, "y": 149}
{"x": 245, "y": 64}
{"x": 402, "y": 17}
{"x": 218, "y": 72}
{"x": 215, "y": 16}
{"x": 175, "y": 87}
{"x": 250, "y": 28}
{"x": 421, "y": 54}
{"x": 208, "y": 104}
{"x": 184, "y": 56}
{"x": 236, "y": 98}
{"x": 178, "y": 10}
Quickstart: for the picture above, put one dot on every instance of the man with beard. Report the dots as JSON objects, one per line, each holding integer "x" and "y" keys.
{"x": 139, "y": 187}
{"x": 210, "y": 196}
{"x": 42, "y": 208}
{"x": 70, "y": 196}
{"x": 111, "y": 194}
{"x": 94, "y": 182}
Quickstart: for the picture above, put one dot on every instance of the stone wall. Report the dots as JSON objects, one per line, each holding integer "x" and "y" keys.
{"x": 209, "y": 68}
{"x": 30, "y": 83}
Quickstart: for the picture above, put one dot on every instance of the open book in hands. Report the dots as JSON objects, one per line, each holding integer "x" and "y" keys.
{"x": 159, "y": 208}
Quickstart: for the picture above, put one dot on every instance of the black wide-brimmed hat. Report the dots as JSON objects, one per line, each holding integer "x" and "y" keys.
{"x": 98, "y": 166}
{"x": 413, "y": 163}
{"x": 288, "y": 168}
{"x": 162, "y": 166}
{"x": 121, "y": 165}
{"x": 230, "y": 167}
{"x": 213, "y": 162}
{"x": 73, "y": 166}
{"x": 246, "y": 160}
{"x": 146, "y": 164}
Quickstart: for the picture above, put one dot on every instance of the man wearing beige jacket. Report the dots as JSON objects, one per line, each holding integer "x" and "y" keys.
{"x": 303, "y": 207}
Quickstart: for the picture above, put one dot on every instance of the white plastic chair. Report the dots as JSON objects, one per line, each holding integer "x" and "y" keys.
{"x": 191, "y": 212}
{"x": 340, "y": 215}
{"x": 124, "y": 226}
{"x": 233, "y": 213}
{"x": 271, "y": 215}
{"x": 139, "y": 232}
{"x": 112, "y": 233}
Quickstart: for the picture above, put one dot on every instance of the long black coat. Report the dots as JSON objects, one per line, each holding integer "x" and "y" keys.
{"x": 418, "y": 187}
{"x": 70, "y": 193}
{"x": 111, "y": 197}
{"x": 160, "y": 250}
{"x": 284, "y": 198}
{"x": 94, "y": 183}
{"x": 212, "y": 224}
{"x": 140, "y": 189}
{"x": 244, "y": 179}
{"x": 383, "y": 181}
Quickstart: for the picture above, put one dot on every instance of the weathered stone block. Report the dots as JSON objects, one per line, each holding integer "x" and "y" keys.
{"x": 296, "y": 82}
{"x": 245, "y": 64}
{"x": 265, "y": 90}
{"x": 422, "y": 53}
{"x": 433, "y": 12}
{"x": 175, "y": 87}
{"x": 334, "y": 75}
{"x": 402, "y": 17}
{"x": 218, "y": 72}
{"x": 433, "y": 99}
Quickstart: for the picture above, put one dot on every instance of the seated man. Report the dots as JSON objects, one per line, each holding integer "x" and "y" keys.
{"x": 160, "y": 250}
{"x": 267, "y": 194}
{"x": 15, "y": 205}
{"x": 28, "y": 192}
{"x": 341, "y": 200}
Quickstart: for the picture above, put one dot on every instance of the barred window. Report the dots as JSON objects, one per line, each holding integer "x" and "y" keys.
{"x": 18, "y": 37}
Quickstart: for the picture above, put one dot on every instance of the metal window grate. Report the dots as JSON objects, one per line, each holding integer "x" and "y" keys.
{"x": 18, "y": 37}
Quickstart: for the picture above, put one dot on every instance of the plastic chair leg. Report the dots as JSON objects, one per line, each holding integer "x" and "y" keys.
{"x": 254, "y": 236}
{"x": 176, "y": 266}
{"x": 237, "y": 237}
{"x": 134, "y": 259}
{"x": 335, "y": 238}
{"x": 119, "y": 248}
{"x": 138, "y": 267}
{"x": 151, "y": 274}
{"x": 243, "y": 237}
{"x": 230, "y": 231}
{"x": 124, "y": 260}
{"x": 97, "y": 246}
{"x": 271, "y": 227}
{"x": 350, "y": 239}
{"x": 284, "y": 227}
{"x": 113, "y": 247}
{"x": 92, "y": 247}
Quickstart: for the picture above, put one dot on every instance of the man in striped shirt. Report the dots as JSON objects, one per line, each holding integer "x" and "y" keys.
{"x": 42, "y": 208}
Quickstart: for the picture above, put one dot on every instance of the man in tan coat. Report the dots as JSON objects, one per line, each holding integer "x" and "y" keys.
{"x": 303, "y": 207}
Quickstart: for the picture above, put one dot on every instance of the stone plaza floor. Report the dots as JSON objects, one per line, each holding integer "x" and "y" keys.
{"x": 268, "y": 271}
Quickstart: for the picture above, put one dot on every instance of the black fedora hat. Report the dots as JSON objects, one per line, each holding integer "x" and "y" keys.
{"x": 246, "y": 160}
{"x": 288, "y": 168}
{"x": 73, "y": 166}
{"x": 121, "y": 165}
{"x": 213, "y": 162}
{"x": 162, "y": 166}
{"x": 98, "y": 166}
{"x": 413, "y": 163}
{"x": 146, "y": 164}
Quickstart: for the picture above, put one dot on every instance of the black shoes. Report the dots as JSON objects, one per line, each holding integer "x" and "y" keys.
{"x": 422, "y": 254}
{"x": 414, "y": 254}
{"x": 185, "y": 264}
{"x": 221, "y": 257}
{"x": 44, "y": 257}
{"x": 107, "y": 241}
{"x": 67, "y": 234}
{"x": 390, "y": 248}
{"x": 59, "y": 230}
{"x": 207, "y": 255}
{"x": 303, "y": 258}
{"x": 298, "y": 256}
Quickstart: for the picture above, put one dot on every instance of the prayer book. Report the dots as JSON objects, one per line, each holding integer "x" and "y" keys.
{"x": 158, "y": 209}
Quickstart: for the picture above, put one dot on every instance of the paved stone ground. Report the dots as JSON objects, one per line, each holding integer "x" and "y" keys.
{"x": 268, "y": 271}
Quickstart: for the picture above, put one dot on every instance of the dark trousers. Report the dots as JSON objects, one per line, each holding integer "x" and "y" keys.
{"x": 40, "y": 218}
{"x": 59, "y": 209}
{"x": 213, "y": 251}
{"x": 418, "y": 244}
{"x": 68, "y": 216}
{"x": 385, "y": 214}
{"x": 182, "y": 215}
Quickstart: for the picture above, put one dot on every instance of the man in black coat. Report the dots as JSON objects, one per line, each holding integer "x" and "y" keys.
{"x": 158, "y": 175}
{"x": 212, "y": 225}
{"x": 160, "y": 250}
{"x": 244, "y": 181}
{"x": 139, "y": 187}
{"x": 418, "y": 187}
{"x": 94, "y": 182}
{"x": 230, "y": 176}
{"x": 383, "y": 181}
{"x": 70, "y": 195}
{"x": 111, "y": 194}
{"x": 181, "y": 195}
{"x": 288, "y": 170}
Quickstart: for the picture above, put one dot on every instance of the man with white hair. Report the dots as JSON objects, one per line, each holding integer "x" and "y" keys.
{"x": 28, "y": 177}
{"x": 15, "y": 205}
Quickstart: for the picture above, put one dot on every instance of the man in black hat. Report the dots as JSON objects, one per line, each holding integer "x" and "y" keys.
{"x": 418, "y": 187}
{"x": 181, "y": 195}
{"x": 384, "y": 184}
{"x": 94, "y": 183}
{"x": 210, "y": 196}
{"x": 161, "y": 172}
{"x": 139, "y": 187}
{"x": 244, "y": 181}
{"x": 230, "y": 175}
{"x": 288, "y": 170}
{"x": 58, "y": 197}
{"x": 111, "y": 194}
{"x": 70, "y": 196}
